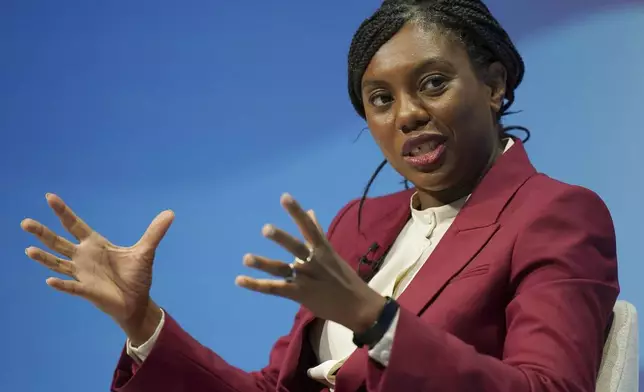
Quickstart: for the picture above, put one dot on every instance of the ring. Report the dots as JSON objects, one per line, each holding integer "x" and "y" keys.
{"x": 310, "y": 256}
{"x": 291, "y": 277}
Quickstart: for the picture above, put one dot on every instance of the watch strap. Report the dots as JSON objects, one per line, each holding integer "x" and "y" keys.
{"x": 374, "y": 334}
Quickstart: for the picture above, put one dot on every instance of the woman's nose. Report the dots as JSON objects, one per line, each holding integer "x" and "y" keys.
{"x": 411, "y": 115}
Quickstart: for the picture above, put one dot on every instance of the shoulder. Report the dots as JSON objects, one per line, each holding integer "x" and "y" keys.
{"x": 564, "y": 222}
{"x": 542, "y": 196}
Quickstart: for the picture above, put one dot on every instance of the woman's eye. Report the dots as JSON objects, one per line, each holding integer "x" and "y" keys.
{"x": 380, "y": 99}
{"x": 434, "y": 82}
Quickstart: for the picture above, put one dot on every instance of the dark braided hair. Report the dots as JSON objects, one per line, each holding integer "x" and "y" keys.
{"x": 469, "y": 21}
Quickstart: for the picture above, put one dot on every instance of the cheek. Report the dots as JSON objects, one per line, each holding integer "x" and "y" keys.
{"x": 457, "y": 112}
{"x": 465, "y": 120}
{"x": 470, "y": 123}
{"x": 384, "y": 135}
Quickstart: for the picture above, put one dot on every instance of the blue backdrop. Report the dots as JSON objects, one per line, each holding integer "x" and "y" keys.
{"x": 214, "y": 109}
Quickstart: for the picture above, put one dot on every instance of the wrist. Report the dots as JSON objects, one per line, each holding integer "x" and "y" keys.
{"x": 374, "y": 333}
{"x": 141, "y": 331}
{"x": 368, "y": 313}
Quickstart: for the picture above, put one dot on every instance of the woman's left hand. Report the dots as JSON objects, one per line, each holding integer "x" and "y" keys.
{"x": 324, "y": 283}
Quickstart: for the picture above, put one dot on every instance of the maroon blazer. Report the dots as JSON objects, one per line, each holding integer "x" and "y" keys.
{"x": 516, "y": 297}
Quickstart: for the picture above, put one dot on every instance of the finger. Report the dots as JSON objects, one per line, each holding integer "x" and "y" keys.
{"x": 270, "y": 266}
{"x": 75, "y": 225}
{"x": 48, "y": 237}
{"x": 287, "y": 241}
{"x": 67, "y": 286}
{"x": 311, "y": 215}
{"x": 157, "y": 230}
{"x": 308, "y": 227}
{"x": 267, "y": 286}
{"x": 56, "y": 264}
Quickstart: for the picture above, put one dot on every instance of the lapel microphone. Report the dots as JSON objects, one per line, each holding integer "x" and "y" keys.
{"x": 372, "y": 265}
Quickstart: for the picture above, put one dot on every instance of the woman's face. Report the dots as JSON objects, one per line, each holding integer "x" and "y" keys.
{"x": 431, "y": 114}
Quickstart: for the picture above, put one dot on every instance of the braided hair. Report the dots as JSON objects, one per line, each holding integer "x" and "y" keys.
{"x": 469, "y": 21}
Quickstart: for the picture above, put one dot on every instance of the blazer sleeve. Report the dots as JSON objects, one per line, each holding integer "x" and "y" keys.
{"x": 178, "y": 362}
{"x": 563, "y": 288}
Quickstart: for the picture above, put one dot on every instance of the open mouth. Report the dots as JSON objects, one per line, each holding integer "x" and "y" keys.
{"x": 424, "y": 150}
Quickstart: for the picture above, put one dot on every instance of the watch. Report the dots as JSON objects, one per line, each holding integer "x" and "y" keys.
{"x": 374, "y": 334}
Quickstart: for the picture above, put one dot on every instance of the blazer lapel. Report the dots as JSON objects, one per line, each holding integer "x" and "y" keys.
{"x": 472, "y": 229}
{"x": 388, "y": 226}
{"x": 453, "y": 254}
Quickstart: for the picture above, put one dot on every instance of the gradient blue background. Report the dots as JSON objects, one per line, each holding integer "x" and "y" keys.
{"x": 214, "y": 109}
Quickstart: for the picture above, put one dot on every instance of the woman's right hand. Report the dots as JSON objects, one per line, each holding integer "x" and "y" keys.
{"x": 115, "y": 279}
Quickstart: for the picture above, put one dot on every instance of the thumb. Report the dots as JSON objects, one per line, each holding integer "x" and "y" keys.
{"x": 157, "y": 229}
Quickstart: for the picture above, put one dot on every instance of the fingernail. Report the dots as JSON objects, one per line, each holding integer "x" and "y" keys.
{"x": 249, "y": 260}
{"x": 268, "y": 230}
{"x": 24, "y": 223}
{"x": 287, "y": 198}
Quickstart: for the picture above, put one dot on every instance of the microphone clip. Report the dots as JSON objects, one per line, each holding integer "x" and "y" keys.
{"x": 373, "y": 265}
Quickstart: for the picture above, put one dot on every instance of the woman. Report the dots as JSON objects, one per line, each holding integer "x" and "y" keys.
{"x": 486, "y": 276}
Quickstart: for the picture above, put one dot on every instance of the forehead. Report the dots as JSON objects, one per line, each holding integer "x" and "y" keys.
{"x": 412, "y": 45}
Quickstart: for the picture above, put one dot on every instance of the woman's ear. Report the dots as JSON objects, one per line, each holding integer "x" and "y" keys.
{"x": 496, "y": 77}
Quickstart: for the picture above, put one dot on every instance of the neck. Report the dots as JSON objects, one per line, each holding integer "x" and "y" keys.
{"x": 429, "y": 199}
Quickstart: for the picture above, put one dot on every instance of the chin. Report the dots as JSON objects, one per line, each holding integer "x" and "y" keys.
{"x": 436, "y": 181}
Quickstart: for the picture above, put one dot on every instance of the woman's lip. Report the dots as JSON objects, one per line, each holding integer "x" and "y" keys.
{"x": 427, "y": 160}
{"x": 416, "y": 141}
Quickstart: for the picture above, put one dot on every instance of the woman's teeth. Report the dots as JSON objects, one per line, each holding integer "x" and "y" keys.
{"x": 424, "y": 148}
